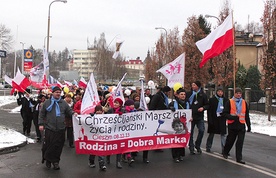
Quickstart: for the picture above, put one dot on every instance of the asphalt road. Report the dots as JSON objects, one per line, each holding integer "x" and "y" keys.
{"x": 259, "y": 153}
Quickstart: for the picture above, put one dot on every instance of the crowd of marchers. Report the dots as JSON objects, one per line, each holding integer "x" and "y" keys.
{"x": 52, "y": 109}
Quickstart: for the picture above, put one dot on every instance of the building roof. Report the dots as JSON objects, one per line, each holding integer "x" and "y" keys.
{"x": 133, "y": 61}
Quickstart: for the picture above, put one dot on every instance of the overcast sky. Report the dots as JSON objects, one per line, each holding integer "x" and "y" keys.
{"x": 133, "y": 21}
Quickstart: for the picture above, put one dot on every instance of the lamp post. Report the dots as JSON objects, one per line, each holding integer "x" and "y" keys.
{"x": 161, "y": 28}
{"x": 45, "y": 39}
{"x": 211, "y": 16}
{"x": 48, "y": 31}
{"x": 22, "y": 62}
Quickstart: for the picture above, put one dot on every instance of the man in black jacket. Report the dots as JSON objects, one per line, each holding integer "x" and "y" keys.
{"x": 199, "y": 102}
{"x": 160, "y": 99}
{"x": 237, "y": 113}
{"x": 27, "y": 108}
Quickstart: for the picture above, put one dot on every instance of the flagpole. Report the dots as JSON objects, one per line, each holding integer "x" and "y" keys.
{"x": 234, "y": 52}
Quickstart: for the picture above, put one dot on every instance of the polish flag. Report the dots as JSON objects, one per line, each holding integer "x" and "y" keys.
{"x": 20, "y": 82}
{"x": 69, "y": 84}
{"x": 60, "y": 85}
{"x": 217, "y": 41}
{"x": 82, "y": 83}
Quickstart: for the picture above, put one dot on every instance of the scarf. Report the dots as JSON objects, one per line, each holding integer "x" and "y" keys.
{"x": 175, "y": 104}
{"x": 54, "y": 101}
{"x": 118, "y": 111}
{"x": 220, "y": 104}
{"x": 191, "y": 99}
{"x": 238, "y": 104}
{"x": 166, "y": 99}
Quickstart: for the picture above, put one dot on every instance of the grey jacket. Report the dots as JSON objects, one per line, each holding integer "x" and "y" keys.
{"x": 49, "y": 119}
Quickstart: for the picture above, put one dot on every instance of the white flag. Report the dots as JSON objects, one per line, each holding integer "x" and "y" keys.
{"x": 118, "y": 92}
{"x": 45, "y": 62}
{"x": 143, "y": 103}
{"x": 174, "y": 71}
{"x": 37, "y": 72}
{"x": 8, "y": 79}
{"x": 91, "y": 97}
{"x": 117, "y": 51}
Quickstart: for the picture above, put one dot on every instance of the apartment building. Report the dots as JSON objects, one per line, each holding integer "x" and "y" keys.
{"x": 84, "y": 61}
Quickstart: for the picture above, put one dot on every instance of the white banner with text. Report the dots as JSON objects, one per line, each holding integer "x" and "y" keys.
{"x": 107, "y": 134}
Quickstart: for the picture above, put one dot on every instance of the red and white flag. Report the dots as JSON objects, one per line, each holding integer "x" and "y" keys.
{"x": 174, "y": 71}
{"x": 91, "y": 97}
{"x": 60, "y": 85}
{"x": 82, "y": 83}
{"x": 217, "y": 41}
{"x": 69, "y": 84}
{"x": 20, "y": 82}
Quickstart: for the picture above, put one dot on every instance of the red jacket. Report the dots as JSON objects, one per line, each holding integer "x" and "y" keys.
{"x": 77, "y": 106}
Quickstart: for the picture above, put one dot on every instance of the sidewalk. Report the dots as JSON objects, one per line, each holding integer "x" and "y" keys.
{"x": 11, "y": 139}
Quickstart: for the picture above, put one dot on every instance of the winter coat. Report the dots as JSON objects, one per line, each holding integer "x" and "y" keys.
{"x": 158, "y": 102}
{"x": 49, "y": 118}
{"x": 202, "y": 101}
{"x": 216, "y": 125}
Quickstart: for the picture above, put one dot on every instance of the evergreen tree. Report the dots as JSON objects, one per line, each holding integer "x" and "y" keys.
{"x": 253, "y": 78}
{"x": 241, "y": 76}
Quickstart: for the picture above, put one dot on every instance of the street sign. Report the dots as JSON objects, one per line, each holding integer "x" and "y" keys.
{"x": 3, "y": 53}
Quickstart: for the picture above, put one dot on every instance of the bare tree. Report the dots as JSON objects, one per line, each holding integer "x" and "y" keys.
{"x": 269, "y": 46}
{"x": 191, "y": 35}
{"x": 6, "y": 38}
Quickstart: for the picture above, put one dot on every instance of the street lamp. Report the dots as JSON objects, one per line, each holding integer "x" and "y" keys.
{"x": 211, "y": 16}
{"x": 45, "y": 39}
{"x": 48, "y": 31}
{"x": 161, "y": 28}
{"x": 22, "y": 62}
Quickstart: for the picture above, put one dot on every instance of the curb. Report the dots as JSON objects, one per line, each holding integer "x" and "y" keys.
{"x": 12, "y": 149}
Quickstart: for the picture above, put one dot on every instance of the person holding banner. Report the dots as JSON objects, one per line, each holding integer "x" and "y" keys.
{"x": 179, "y": 103}
{"x": 199, "y": 102}
{"x": 179, "y": 126}
{"x": 129, "y": 107}
{"x": 117, "y": 109}
{"x": 160, "y": 101}
{"x": 98, "y": 110}
{"x": 52, "y": 119}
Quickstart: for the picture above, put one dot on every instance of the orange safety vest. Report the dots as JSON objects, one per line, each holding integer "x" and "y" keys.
{"x": 233, "y": 111}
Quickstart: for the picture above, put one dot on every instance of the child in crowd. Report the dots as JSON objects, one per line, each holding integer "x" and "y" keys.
{"x": 98, "y": 110}
{"x": 116, "y": 109}
{"x": 129, "y": 107}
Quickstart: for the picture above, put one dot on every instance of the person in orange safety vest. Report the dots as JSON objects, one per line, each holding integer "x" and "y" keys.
{"x": 236, "y": 112}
